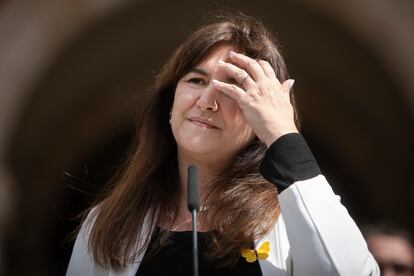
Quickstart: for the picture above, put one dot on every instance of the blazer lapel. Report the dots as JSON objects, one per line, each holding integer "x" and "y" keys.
{"x": 278, "y": 262}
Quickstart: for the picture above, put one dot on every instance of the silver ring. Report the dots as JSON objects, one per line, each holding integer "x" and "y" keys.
{"x": 244, "y": 78}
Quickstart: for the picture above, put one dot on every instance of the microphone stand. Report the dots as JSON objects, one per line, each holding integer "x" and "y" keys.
{"x": 193, "y": 207}
{"x": 195, "y": 244}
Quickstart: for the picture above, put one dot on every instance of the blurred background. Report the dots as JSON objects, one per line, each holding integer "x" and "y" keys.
{"x": 74, "y": 76}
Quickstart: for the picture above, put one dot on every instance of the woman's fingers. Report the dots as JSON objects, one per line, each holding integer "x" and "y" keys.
{"x": 265, "y": 101}
{"x": 252, "y": 67}
{"x": 268, "y": 70}
{"x": 287, "y": 85}
{"x": 240, "y": 76}
{"x": 231, "y": 90}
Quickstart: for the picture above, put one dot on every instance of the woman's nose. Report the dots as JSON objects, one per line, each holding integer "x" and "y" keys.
{"x": 208, "y": 99}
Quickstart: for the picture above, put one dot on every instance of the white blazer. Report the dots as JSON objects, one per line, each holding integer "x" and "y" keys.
{"x": 314, "y": 235}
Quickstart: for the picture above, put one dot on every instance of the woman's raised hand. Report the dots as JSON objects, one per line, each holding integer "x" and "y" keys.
{"x": 264, "y": 100}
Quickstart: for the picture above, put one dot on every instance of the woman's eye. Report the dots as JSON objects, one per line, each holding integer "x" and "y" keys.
{"x": 197, "y": 81}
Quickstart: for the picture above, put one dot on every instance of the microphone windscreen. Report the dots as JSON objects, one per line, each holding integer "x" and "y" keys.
{"x": 193, "y": 189}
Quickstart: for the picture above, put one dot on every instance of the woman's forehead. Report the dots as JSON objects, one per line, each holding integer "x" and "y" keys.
{"x": 210, "y": 61}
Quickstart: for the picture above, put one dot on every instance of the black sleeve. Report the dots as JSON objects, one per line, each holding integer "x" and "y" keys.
{"x": 287, "y": 160}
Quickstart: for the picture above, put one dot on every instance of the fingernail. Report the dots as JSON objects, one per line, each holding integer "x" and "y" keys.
{"x": 221, "y": 62}
{"x": 215, "y": 81}
{"x": 290, "y": 82}
{"x": 232, "y": 53}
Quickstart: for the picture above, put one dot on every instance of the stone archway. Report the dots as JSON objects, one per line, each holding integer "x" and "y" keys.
{"x": 73, "y": 92}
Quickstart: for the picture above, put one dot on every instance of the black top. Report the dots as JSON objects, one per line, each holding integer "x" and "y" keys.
{"x": 176, "y": 259}
{"x": 287, "y": 160}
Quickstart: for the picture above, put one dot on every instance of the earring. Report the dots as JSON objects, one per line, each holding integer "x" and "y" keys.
{"x": 170, "y": 117}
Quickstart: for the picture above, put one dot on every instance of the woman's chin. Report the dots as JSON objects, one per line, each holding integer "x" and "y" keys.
{"x": 202, "y": 149}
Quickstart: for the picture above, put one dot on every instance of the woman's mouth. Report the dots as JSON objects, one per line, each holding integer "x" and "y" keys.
{"x": 202, "y": 122}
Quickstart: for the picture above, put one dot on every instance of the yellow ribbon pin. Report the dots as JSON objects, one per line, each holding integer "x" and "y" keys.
{"x": 252, "y": 255}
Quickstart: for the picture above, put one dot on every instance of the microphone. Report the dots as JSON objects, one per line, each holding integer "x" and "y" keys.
{"x": 193, "y": 205}
{"x": 193, "y": 190}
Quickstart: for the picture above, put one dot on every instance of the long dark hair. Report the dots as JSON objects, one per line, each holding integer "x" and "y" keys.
{"x": 146, "y": 191}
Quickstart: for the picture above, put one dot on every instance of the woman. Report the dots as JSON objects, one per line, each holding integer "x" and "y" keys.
{"x": 223, "y": 103}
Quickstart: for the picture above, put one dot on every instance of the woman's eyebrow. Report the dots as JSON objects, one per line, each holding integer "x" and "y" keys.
{"x": 204, "y": 72}
{"x": 200, "y": 71}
